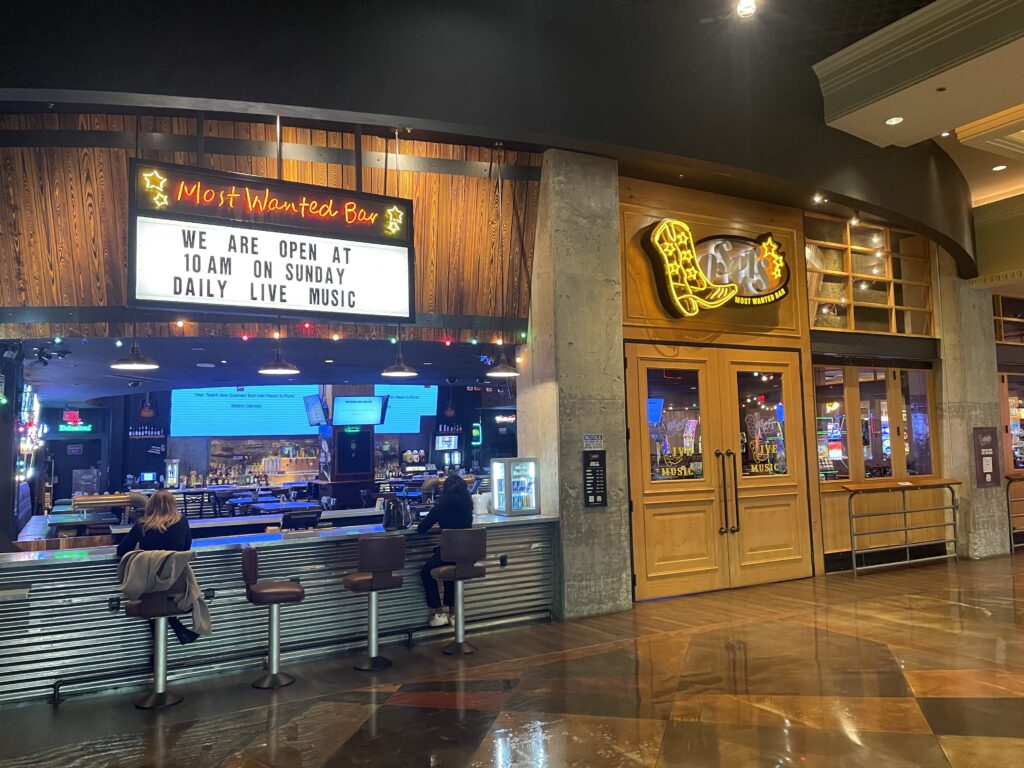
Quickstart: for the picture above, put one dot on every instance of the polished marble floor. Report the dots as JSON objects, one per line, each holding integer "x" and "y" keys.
{"x": 917, "y": 667}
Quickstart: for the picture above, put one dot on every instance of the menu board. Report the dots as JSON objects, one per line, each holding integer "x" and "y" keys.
{"x": 237, "y": 244}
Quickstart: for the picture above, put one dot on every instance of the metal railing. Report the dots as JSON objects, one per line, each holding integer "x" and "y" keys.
{"x": 1013, "y": 479}
{"x": 909, "y": 523}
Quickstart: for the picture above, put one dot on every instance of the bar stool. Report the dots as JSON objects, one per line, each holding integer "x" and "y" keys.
{"x": 275, "y": 594}
{"x": 463, "y": 547}
{"x": 380, "y": 558}
{"x": 194, "y": 503}
{"x": 157, "y": 606}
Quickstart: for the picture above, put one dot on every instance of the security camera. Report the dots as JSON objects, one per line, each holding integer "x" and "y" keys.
{"x": 451, "y": 379}
{"x": 134, "y": 383}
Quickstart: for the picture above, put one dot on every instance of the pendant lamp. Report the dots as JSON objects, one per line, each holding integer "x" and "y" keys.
{"x": 135, "y": 360}
{"x": 279, "y": 366}
{"x": 502, "y": 370}
{"x": 399, "y": 369}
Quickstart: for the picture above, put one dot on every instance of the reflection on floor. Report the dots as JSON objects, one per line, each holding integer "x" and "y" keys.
{"x": 920, "y": 667}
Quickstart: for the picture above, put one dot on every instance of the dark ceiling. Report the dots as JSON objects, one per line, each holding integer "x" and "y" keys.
{"x": 85, "y": 372}
{"x": 814, "y": 29}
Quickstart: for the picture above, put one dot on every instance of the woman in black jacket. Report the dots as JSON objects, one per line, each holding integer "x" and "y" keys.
{"x": 453, "y": 510}
{"x": 161, "y": 527}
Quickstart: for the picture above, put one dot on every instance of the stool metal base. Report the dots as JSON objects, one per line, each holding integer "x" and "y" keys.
{"x": 158, "y": 700}
{"x": 457, "y": 648}
{"x": 273, "y": 680}
{"x": 372, "y": 664}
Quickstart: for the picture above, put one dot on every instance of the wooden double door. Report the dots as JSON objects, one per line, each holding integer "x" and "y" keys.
{"x": 718, "y": 469}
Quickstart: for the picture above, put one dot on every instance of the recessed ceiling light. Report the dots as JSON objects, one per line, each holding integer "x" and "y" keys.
{"x": 223, "y": 362}
{"x": 894, "y": 120}
{"x": 328, "y": 361}
{"x": 944, "y": 134}
{"x": 998, "y": 167}
{"x": 854, "y": 220}
{"x": 205, "y": 364}
{"x": 746, "y": 8}
{"x": 818, "y": 198}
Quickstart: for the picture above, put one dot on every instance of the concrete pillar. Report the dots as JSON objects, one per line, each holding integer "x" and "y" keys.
{"x": 968, "y": 396}
{"x": 572, "y": 378}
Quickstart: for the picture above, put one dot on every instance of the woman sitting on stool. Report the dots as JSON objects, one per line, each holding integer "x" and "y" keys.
{"x": 453, "y": 510}
{"x": 161, "y": 527}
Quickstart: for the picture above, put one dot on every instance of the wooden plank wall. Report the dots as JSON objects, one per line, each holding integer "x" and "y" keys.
{"x": 63, "y": 219}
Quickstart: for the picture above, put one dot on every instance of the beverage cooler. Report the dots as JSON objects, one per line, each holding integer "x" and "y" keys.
{"x": 514, "y": 487}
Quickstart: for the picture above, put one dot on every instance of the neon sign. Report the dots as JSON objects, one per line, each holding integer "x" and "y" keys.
{"x": 245, "y": 198}
{"x": 252, "y": 246}
{"x": 76, "y": 427}
{"x": 714, "y": 271}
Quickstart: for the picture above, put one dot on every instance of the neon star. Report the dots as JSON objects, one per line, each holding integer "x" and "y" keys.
{"x": 394, "y": 214}
{"x": 159, "y": 199}
{"x": 154, "y": 180}
{"x": 772, "y": 257}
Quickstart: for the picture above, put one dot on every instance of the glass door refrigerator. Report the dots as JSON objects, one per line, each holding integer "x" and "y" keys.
{"x": 514, "y": 487}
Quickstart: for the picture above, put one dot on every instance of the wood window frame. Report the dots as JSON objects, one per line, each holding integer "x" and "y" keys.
{"x": 897, "y": 438}
{"x": 849, "y": 300}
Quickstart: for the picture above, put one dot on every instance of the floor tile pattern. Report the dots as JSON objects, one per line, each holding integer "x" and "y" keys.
{"x": 915, "y": 667}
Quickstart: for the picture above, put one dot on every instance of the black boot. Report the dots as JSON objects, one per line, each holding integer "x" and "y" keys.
{"x": 183, "y": 633}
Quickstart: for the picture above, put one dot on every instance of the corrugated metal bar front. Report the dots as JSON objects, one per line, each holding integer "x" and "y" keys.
{"x": 67, "y": 630}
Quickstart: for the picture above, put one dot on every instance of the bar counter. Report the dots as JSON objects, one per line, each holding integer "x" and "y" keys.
{"x": 62, "y": 628}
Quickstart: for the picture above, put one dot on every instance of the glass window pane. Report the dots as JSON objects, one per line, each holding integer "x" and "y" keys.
{"x": 915, "y": 270}
{"x": 1015, "y": 385}
{"x": 910, "y": 295}
{"x": 830, "y": 315}
{"x": 908, "y": 244}
{"x": 871, "y": 319}
{"x": 918, "y": 323}
{"x": 867, "y": 237}
{"x": 917, "y": 427}
{"x": 1012, "y": 307}
{"x": 871, "y": 291}
{"x": 874, "y": 422}
{"x": 673, "y": 424}
{"x": 826, "y": 230}
{"x": 874, "y": 263}
{"x": 827, "y": 287}
{"x": 830, "y": 424}
{"x": 828, "y": 259}
{"x": 762, "y": 423}
{"x": 1013, "y": 332}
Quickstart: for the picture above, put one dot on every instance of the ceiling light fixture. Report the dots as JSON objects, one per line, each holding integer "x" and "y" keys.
{"x": 818, "y": 198}
{"x": 944, "y": 134}
{"x": 854, "y": 220}
{"x": 746, "y": 8}
{"x": 134, "y": 360}
{"x": 998, "y": 168}
{"x": 399, "y": 369}
{"x": 279, "y": 366}
{"x": 894, "y": 120}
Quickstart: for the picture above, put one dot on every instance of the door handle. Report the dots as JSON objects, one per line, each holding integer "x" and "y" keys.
{"x": 735, "y": 489}
{"x": 724, "y": 528}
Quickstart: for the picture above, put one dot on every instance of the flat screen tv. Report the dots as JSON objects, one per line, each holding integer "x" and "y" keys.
{"x": 408, "y": 404}
{"x": 359, "y": 410}
{"x": 446, "y": 443}
{"x": 315, "y": 414}
{"x": 241, "y": 411}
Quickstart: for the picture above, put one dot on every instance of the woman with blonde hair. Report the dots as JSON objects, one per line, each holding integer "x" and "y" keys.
{"x": 161, "y": 527}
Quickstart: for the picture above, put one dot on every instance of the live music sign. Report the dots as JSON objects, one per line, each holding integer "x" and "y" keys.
{"x": 229, "y": 243}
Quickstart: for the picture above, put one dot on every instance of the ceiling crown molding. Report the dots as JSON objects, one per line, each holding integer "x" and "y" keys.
{"x": 939, "y": 36}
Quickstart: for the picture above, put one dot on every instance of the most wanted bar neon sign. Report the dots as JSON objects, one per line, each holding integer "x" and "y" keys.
{"x": 714, "y": 271}
{"x": 239, "y": 244}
